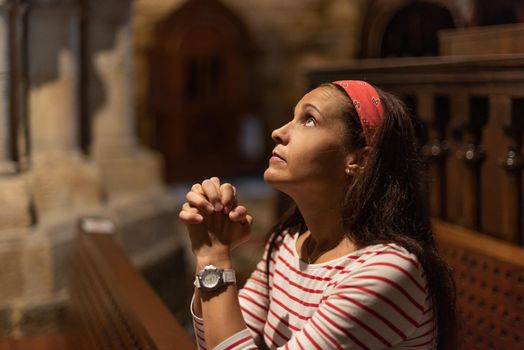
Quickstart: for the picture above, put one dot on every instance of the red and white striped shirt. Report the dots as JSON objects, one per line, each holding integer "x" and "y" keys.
{"x": 373, "y": 298}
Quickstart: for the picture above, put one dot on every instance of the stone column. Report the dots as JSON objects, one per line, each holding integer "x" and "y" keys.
{"x": 130, "y": 173}
{"x": 6, "y": 163}
{"x": 14, "y": 196}
{"x": 126, "y": 167}
{"x": 61, "y": 180}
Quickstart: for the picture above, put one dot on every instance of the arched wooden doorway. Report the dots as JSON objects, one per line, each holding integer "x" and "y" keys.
{"x": 202, "y": 87}
{"x": 408, "y": 28}
{"x": 412, "y": 31}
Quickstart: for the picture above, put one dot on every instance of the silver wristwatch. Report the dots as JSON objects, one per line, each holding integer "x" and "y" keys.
{"x": 211, "y": 278}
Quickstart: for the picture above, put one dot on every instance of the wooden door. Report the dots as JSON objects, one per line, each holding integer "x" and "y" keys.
{"x": 202, "y": 86}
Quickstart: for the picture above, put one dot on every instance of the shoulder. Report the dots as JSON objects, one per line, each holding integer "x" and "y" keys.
{"x": 391, "y": 255}
{"x": 384, "y": 285}
{"x": 391, "y": 270}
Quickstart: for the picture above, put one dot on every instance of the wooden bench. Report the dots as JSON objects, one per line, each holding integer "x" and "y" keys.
{"x": 111, "y": 306}
{"x": 489, "y": 276}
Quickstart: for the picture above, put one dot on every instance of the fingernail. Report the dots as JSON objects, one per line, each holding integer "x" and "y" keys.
{"x": 226, "y": 209}
{"x": 210, "y": 208}
{"x": 218, "y": 207}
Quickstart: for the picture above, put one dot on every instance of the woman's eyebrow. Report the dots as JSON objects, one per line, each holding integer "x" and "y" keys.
{"x": 314, "y": 107}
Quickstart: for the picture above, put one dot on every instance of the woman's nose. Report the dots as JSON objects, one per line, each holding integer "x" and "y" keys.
{"x": 280, "y": 135}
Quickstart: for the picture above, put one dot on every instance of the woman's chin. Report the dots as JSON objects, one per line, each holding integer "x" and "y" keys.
{"x": 276, "y": 179}
{"x": 269, "y": 175}
{"x": 273, "y": 176}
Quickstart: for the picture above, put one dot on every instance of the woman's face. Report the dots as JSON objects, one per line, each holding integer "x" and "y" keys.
{"x": 310, "y": 150}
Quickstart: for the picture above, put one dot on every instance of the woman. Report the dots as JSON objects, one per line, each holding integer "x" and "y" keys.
{"x": 353, "y": 265}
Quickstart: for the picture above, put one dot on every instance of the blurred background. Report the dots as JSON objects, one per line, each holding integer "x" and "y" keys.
{"x": 114, "y": 108}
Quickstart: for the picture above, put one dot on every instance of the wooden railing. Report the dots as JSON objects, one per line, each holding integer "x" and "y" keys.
{"x": 112, "y": 307}
{"x": 471, "y": 113}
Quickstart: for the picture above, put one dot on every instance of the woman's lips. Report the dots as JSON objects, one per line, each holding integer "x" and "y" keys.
{"x": 275, "y": 157}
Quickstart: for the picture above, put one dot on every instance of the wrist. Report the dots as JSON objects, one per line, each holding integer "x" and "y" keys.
{"x": 223, "y": 262}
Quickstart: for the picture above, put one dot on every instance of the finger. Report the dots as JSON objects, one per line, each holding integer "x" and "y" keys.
{"x": 227, "y": 195}
{"x": 190, "y": 217}
{"x": 199, "y": 201}
{"x": 216, "y": 181}
{"x": 246, "y": 228}
{"x": 187, "y": 207}
{"x": 238, "y": 214}
{"x": 197, "y": 188}
{"x": 212, "y": 192}
{"x": 249, "y": 220}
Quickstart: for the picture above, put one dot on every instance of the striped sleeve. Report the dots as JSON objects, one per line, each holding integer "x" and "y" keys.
{"x": 241, "y": 340}
{"x": 254, "y": 303}
{"x": 198, "y": 327}
{"x": 254, "y": 300}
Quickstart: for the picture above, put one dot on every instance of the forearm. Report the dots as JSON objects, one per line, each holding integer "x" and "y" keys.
{"x": 220, "y": 309}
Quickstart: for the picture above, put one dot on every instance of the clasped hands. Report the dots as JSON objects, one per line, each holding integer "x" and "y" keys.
{"x": 215, "y": 222}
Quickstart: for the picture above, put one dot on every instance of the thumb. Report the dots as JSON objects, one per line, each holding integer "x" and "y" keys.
{"x": 249, "y": 220}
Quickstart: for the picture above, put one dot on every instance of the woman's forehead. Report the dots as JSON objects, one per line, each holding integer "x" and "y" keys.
{"x": 325, "y": 98}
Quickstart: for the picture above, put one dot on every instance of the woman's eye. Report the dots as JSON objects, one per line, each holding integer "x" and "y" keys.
{"x": 310, "y": 121}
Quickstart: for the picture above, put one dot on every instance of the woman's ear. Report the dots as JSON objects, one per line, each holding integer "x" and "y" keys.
{"x": 355, "y": 161}
{"x": 352, "y": 169}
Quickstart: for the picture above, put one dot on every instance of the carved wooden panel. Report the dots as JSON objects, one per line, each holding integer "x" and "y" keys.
{"x": 489, "y": 277}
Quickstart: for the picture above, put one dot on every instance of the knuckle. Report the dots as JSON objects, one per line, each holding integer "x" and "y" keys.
{"x": 191, "y": 197}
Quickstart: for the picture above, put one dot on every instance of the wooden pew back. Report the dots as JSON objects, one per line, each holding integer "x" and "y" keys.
{"x": 469, "y": 113}
{"x": 112, "y": 307}
{"x": 489, "y": 276}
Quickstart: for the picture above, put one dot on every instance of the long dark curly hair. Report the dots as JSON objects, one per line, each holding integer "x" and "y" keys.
{"x": 387, "y": 203}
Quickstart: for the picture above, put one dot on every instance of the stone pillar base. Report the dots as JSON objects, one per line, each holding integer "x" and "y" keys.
{"x": 8, "y": 167}
{"x": 15, "y": 203}
{"x": 63, "y": 183}
{"x": 26, "y": 277}
{"x": 137, "y": 174}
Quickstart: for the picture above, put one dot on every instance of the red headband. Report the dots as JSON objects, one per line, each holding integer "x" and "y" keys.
{"x": 367, "y": 104}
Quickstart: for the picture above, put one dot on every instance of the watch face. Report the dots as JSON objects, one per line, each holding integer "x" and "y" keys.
{"x": 210, "y": 279}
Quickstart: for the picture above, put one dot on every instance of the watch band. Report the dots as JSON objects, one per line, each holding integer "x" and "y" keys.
{"x": 229, "y": 276}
